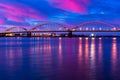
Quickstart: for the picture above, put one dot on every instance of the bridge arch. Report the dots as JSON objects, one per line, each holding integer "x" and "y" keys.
{"x": 96, "y": 25}
{"x": 15, "y": 29}
{"x": 49, "y": 27}
{"x": 2, "y": 29}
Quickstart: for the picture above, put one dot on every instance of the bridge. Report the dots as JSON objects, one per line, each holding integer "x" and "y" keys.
{"x": 50, "y": 29}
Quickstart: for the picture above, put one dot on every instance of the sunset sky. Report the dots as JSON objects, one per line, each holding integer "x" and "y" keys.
{"x": 71, "y": 12}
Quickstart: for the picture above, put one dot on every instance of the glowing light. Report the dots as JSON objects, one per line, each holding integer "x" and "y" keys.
{"x": 100, "y": 38}
{"x": 60, "y": 28}
{"x": 86, "y": 28}
{"x": 80, "y": 28}
{"x": 93, "y": 38}
{"x": 80, "y": 49}
{"x": 114, "y": 54}
{"x": 92, "y": 35}
{"x": 10, "y": 34}
{"x": 86, "y": 38}
{"x": 73, "y": 29}
{"x": 100, "y": 28}
{"x": 67, "y": 28}
{"x": 114, "y": 38}
{"x": 92, "y": 52}
{"x": 86, "y": 50}
{"x": 80, "y": 38}
{"x": 60, "y": 38}
{"x": 114, "y": 28}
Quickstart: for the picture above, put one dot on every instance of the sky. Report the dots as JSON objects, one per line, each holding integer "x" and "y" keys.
{"x": 71, "y": 12}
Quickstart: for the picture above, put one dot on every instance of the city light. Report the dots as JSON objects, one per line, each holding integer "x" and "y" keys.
{"x": 92, "y": 35}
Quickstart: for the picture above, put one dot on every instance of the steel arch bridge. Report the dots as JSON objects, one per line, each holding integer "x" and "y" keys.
{"x": 49, "y": 27}
{"x": 16, "y": 29}
{"x": 95, "y": 26}
{"x": 2, "y": 29}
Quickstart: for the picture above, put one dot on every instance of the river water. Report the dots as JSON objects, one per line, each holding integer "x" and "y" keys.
{"x": 59, "y": 58}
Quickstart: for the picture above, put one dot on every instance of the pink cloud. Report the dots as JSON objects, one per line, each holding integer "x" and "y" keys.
{"x": 78, "y": 6}
{"x": 14, "y": 18}
{"x": 18, "y": 13}
{"x": 2, "y": 21}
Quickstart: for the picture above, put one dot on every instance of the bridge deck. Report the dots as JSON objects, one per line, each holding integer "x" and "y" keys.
{"x": 64, "y": 31}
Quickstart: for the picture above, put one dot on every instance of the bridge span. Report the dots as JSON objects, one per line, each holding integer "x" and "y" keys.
{"x": 56, "y": 29}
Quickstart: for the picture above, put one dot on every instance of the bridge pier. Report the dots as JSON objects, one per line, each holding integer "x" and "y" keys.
{"x": 2, "y": 34}
{"x": 29, "y": 34}
{"x": 70, "y": 34}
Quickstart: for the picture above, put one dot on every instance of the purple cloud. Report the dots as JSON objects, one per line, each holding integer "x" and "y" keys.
{"x": 77, "y": 6}
{"x": 18, "y": 13}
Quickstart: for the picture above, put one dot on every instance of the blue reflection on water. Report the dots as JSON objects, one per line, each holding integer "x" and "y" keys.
{"x": 59, "y": 58}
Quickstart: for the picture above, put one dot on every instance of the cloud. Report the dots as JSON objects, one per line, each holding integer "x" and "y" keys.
{"x": 77, "y": 6}
{"x": 19, "y": 13}
{"x": 2, "y": 21}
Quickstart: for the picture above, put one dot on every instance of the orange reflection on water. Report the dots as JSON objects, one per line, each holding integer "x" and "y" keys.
{"x": 47, "y": 56}
{"x": 47, "y": 46}
{"x": 86, "y": 49}
{"x": 92, "y": 50}
{"x": 92, "y": 59}
{"x": 114, "y": 54}
{"x": 80, "y": 49}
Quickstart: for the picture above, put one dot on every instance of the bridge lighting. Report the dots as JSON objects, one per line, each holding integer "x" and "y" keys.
{"x": 93, "y": 38}
{"x": 80, "y": 38}
{"x": 60, "y": 38}
{"x": 100, "y": 38}
{"x": 10, "y": 34}
{"x": 86, "y": 28}
{"x": 86, "y": 38}
{"x": 100, "y": 28}
{"x": 73, "y": 29}
{"x": 60, "y": 28}
{"x": 93, "y": 28}
{"x": 80, "y": 28}
{"x": 92, "y": 35}
{"x": 114, "y": 28}
{"x": 114, "y": 38}
{"x": 67, "y": 28}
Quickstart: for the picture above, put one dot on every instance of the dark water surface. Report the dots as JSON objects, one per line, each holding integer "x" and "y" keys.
{"x": 59, "y": 59}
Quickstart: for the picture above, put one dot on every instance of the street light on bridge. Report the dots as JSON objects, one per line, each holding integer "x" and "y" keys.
{"x": 73, "y": 29}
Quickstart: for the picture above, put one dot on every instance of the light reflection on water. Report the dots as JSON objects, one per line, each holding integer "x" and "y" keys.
{"x": 59, "y": 58}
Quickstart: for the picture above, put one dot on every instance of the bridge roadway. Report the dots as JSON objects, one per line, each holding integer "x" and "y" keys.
{"x": 61, "y": 31}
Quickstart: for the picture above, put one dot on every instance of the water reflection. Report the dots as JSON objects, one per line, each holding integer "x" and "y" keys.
{"x": 92, "y": 51}
{"x": 13, "y": 55}
{"x": 80, "y": 50}
{"x": 92, "y": 59}
{"x": 114, "y": 55}
{"x": 86, "y": 50}
{"x": 59, "y": 58}
{"x": 60, "y": 51}
{"x": 100, "y": 50}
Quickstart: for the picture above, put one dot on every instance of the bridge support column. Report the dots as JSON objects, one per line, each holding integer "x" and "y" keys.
{"x": 2, "y": 34}
{"x": 28, "y": 34}
{"x": 70, "y": 34}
